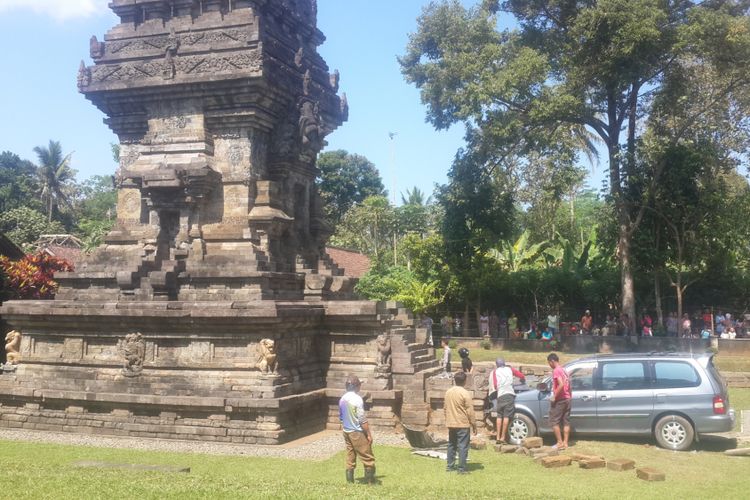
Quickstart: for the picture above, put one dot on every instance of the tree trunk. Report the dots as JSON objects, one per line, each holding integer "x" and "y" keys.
{"x": 657, "y": 300}
{"x": 626, "y": 276}
{"x": 678, "y": 290}
{"x": 465, "y": 326}
{"x": 621, "y": 209}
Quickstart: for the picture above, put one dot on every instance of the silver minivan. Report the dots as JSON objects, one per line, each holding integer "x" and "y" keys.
{"x": 672, "y": 396}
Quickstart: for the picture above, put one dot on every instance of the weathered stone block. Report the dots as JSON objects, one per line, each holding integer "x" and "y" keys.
{"x": 544, "y": 450}
{"x": 557, "y": 461}
{"x": 649, "y": 474}
{"x": 595, "y": 463}
{"x": 533, "y": 442}
{"x": 620, "y": 464}
{"x": 577, "y": 457}
{"x": 478, "y": 444}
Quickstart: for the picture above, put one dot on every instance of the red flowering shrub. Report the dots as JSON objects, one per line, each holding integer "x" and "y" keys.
{"x": 31, "y": 277}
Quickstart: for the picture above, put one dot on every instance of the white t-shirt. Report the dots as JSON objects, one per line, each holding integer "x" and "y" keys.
{"x": 504, "y": 376}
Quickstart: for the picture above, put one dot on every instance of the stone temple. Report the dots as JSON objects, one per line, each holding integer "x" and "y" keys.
{"x": 212, "y": 311}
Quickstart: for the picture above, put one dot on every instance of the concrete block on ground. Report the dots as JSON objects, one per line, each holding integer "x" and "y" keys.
{"x": 508, "y": 448}
{"x": 556, "y": 461}
{"x": 620, "y": 464}
{"x": 650, "y": 474}
{"x": 521, "y": 450}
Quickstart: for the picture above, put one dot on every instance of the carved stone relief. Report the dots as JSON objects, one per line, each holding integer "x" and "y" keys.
{"x": 384, "y": 355}
{"x": 13, "y": 347}
{"x": 267, "y": 362}
{"x": 133, "y": 349}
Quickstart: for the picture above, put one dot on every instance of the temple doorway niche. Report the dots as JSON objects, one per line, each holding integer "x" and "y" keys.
{"x": 169, "y": 228}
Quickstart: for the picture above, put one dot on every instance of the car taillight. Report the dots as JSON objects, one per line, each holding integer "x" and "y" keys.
{"x": 719, "y": 408}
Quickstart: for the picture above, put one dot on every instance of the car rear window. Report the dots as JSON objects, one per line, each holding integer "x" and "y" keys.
{"x": 622, "y": 376}
{"x": 675, "y": 374}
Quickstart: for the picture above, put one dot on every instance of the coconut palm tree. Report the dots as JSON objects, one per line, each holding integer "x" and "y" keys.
{"x": 54, "y": 173}
{"x": 415, "y": 196}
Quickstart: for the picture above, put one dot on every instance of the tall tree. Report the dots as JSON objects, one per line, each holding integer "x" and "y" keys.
{"x": 344, "y": 180}
{"x": 368, "y": 227}
{"x": 18, "y": 183}
{"x": 55, "y": 175}
{"x": 597, "y": 64}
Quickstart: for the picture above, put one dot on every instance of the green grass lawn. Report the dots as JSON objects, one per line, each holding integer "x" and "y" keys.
{"x": 31, "y": 470}
{"x": 723, "y": 362}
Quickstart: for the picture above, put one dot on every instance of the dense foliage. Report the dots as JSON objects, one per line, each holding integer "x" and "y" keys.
{"x": 45, "y": 198}
{"x": 31, "y": 277}
{"x": 570, "y": 77}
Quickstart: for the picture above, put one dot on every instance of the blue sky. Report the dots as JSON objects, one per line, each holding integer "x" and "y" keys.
{"x": 45, "y": 40}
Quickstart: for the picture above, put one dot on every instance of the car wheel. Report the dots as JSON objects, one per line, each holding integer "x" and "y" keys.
{"x": 520, "y": 427}
{"x": 674, "y": 432}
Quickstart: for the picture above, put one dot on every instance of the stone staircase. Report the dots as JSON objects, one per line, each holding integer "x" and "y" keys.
{"x": 325, "y": 278}
{"x": 413, "y": 362}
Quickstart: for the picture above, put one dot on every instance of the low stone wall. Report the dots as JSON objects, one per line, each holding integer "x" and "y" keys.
{"x": 588, "y": 344}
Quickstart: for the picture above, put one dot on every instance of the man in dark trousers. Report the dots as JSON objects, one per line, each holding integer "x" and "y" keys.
{"x": 357, "y": 435}
{"x": 459, "y": 418}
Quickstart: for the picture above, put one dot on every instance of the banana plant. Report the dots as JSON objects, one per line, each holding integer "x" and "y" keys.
{"x": 518, "y": 255}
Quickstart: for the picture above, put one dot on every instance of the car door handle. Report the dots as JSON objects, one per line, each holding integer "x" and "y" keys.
{"x": 586, "y": 398}
{"x": 604, "y": 398}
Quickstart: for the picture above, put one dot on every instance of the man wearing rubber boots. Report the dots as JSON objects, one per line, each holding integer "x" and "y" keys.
{"x": 357, "y": 435}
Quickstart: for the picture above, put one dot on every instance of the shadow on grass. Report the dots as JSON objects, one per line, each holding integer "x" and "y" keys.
{"x": 709, "y": 442}
{"x": 473, "y": 467}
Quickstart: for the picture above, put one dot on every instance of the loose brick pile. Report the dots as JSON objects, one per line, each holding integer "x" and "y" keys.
{"x": 550, "y": 457}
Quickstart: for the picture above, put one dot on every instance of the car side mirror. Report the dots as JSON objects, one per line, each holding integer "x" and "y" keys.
{"x": 542, "y": 387}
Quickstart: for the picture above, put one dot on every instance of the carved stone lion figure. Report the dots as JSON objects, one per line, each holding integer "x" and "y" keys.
{"x": 13, "y": 346}
{"x": 267, "y": 356}
{"x": 133, "y": 349}
{"x": 384, "y": 351}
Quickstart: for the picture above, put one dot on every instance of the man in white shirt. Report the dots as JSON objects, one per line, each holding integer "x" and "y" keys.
{"x": 501, "y": 382}
{"x": 357, "y": 435}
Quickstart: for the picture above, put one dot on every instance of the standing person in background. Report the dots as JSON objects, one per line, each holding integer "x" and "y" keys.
{"x": 553, "y": 323}
{"x": 446, "y": 361}
{"x": 459, "y": 418}
{"x": 357, "y": 435}
{"x": 707, "y": 317}
{"x": 457, "y": 326}
{"x": 447, "y": 324}
{"x": 427, "y": 324}
{"x": 484, "y": 325}
{"x": 673, "y": 325}
{"x": 719, "y": 323}
{"x": 502, "y": 325}
{"x": 495, "y": 325}
{"x": 559, "y": 410}
{"x": 686, "y": 326}
{"x": 512, "y": 323}
{"x": 587, "y": 322}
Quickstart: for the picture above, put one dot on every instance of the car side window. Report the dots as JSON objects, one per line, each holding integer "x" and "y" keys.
{"x": 622, "y": 376}
{"x": 582, "y": 379}
{"x": 675, "y": 374}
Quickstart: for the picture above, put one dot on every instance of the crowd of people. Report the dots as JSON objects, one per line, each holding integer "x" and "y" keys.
{"x": 703, "y": 324}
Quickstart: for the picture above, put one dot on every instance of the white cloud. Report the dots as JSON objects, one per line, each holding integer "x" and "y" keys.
{"x": 61, "y": 10}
